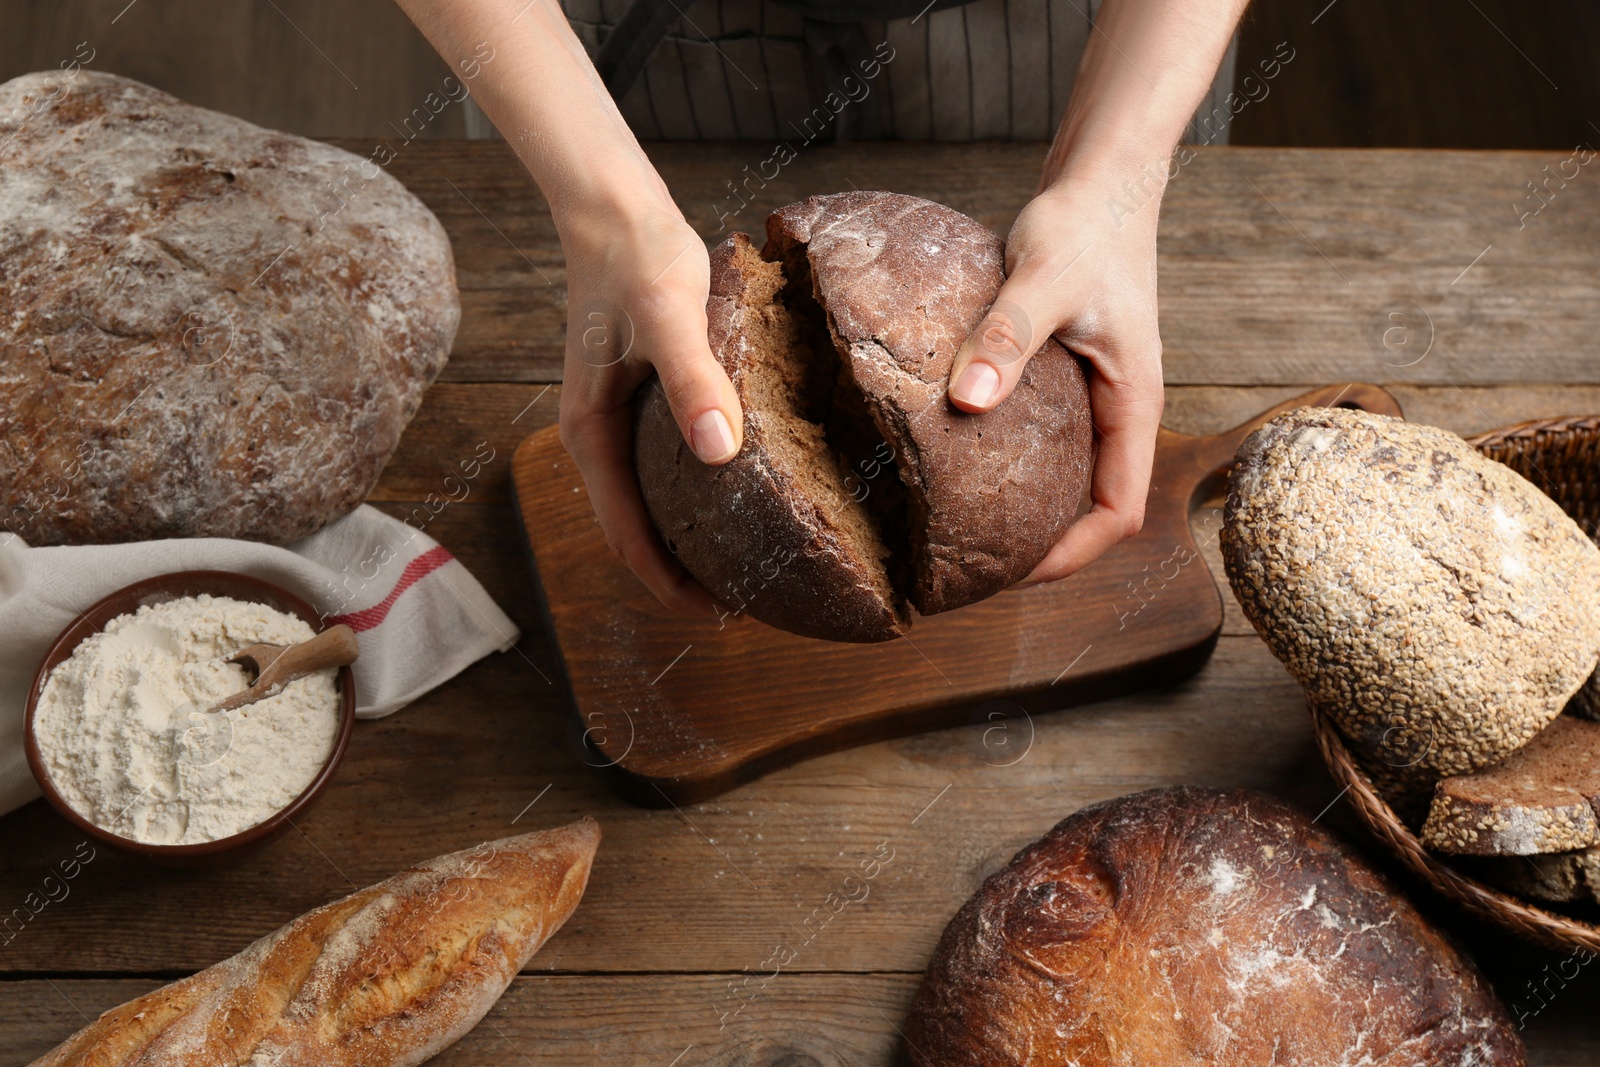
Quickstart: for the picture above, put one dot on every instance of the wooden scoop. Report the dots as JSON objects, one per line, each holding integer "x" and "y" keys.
{"x": 278, "y": 665}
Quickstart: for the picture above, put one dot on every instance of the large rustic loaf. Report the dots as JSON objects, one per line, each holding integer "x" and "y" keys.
{"x": 1199, "y": 927}
{"x": 206, "y": 328}
{"x": 1439, "y": 607}
{"x": 860, "y": 489}
{"x": 386, "y": 977}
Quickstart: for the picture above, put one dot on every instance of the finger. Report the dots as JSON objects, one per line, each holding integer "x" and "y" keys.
{"x": 991, "y": 361}
{"x": 702, "y": 399}
{"x": 601, "y": 444}
{"x": 1127, "y": 418}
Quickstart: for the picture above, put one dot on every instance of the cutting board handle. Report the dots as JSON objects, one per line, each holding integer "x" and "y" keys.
{"x": 1206, "y": 459}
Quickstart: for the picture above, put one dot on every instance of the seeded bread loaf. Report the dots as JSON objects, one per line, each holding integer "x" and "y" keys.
{"x": 1541, "y": 798}
{"x": 860, "y": 491}
{"x": 1199, "y": 927}
{"x": 209, "y": 329}
{"x": 1437, "y": 605}
{"x": 389, "y": 976}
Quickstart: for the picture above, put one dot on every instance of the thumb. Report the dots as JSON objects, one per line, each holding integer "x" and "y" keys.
{"x": 991, "y": 361}
{"x": 702, "y": 399}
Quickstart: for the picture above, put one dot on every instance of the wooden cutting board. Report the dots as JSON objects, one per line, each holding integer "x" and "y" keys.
{"x": 677, "y": 710}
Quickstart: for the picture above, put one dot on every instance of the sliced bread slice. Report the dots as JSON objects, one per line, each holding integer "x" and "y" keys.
{"x": 1557, "y": 877}
{"x": 1538, "y": 799}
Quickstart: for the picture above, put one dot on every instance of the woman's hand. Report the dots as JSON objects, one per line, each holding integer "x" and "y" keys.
{"x": 1081, "y": 265}
{"x": 636, "y": 303}
{"x": 1081, "y": 259}
{"x": 637, "y": 274}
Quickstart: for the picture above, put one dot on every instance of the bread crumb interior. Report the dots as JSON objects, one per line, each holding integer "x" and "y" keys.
{"x": 822, "y": 432}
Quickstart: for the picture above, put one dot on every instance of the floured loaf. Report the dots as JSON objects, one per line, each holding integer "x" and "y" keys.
{"x": 1199, "y": 927}
{"x": 206, "y": 328}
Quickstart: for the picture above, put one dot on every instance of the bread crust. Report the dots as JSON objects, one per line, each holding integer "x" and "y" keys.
{"x": 210, "y": 329}
{"x": 1199, "y": 926}
{"x": 386, "y": 977}
{"x": 1558, "y": 877}
{"x": 1541, "y": 798}
{"x": 753, "y": 531}
{"x": 901, "y": 283}
{"x": 1439, "y": 607}
{"x": 904, "y": 282}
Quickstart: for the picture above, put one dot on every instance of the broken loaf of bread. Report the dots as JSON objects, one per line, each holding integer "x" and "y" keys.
{"x": 860, "y": 489}
{"x": 388, "y": 976}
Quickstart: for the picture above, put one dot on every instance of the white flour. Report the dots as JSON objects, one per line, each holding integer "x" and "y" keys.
{"x": 127, "y": 742}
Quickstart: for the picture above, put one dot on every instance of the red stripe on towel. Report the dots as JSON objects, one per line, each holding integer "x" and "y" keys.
{"x": 415, "y": 571}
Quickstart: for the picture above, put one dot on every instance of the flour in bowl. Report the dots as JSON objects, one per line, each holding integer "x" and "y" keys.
{"x": 126, "y": 739}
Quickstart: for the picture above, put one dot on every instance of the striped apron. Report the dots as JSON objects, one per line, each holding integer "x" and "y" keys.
{"x": 861, "y": 69}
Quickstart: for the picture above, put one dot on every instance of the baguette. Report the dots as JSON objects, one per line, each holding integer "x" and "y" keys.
{"x": 386, "y": 977}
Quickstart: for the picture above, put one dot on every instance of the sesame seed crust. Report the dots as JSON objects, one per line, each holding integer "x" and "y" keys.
{"x": 1437, "y": 605}
{"x": 1539, "y": 799}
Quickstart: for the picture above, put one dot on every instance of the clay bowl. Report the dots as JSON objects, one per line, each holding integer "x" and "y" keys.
{"x": 157, "y": 590}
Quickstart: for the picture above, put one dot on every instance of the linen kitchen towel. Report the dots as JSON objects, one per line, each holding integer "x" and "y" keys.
{"x": 420, "y": 616}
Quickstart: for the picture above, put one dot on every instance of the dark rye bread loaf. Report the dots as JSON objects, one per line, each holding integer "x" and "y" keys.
{"x": 206, "y": 328}
{"x": 860, "y": 489}
{"x": 1199, "y": 927}
{"x": 1434, "y": 603}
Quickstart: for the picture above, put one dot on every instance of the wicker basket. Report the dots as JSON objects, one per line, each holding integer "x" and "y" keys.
{"x": 1562, "y": 457}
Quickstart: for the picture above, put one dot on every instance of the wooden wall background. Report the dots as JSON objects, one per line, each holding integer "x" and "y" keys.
{"x": 1424, "y": 73}
{"x": 320, "y": 68}
{"x": 1427, "y": 73}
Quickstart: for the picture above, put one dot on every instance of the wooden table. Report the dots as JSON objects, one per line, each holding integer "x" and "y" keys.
{"x": 1279, "y": 270}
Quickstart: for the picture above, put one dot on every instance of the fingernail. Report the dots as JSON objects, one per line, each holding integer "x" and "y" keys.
{"x": 712, "y": 438}
{"x": 978, "y": 385}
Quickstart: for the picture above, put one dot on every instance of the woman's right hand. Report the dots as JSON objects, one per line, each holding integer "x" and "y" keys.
{"x": 637, "y": 273}
{"x": 637, "y": 282}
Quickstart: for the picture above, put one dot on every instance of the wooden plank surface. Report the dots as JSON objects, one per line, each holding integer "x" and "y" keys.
{"x": 684, "y": 901}
{"x": 1424, "y": 74}
{"x": 1278, "y": 266}
{"x": 795, "y": 1020}
{"x": 701, "y": 888}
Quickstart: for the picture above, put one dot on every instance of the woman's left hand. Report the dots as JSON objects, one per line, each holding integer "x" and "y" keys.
{"x": 1081, "y": 265}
